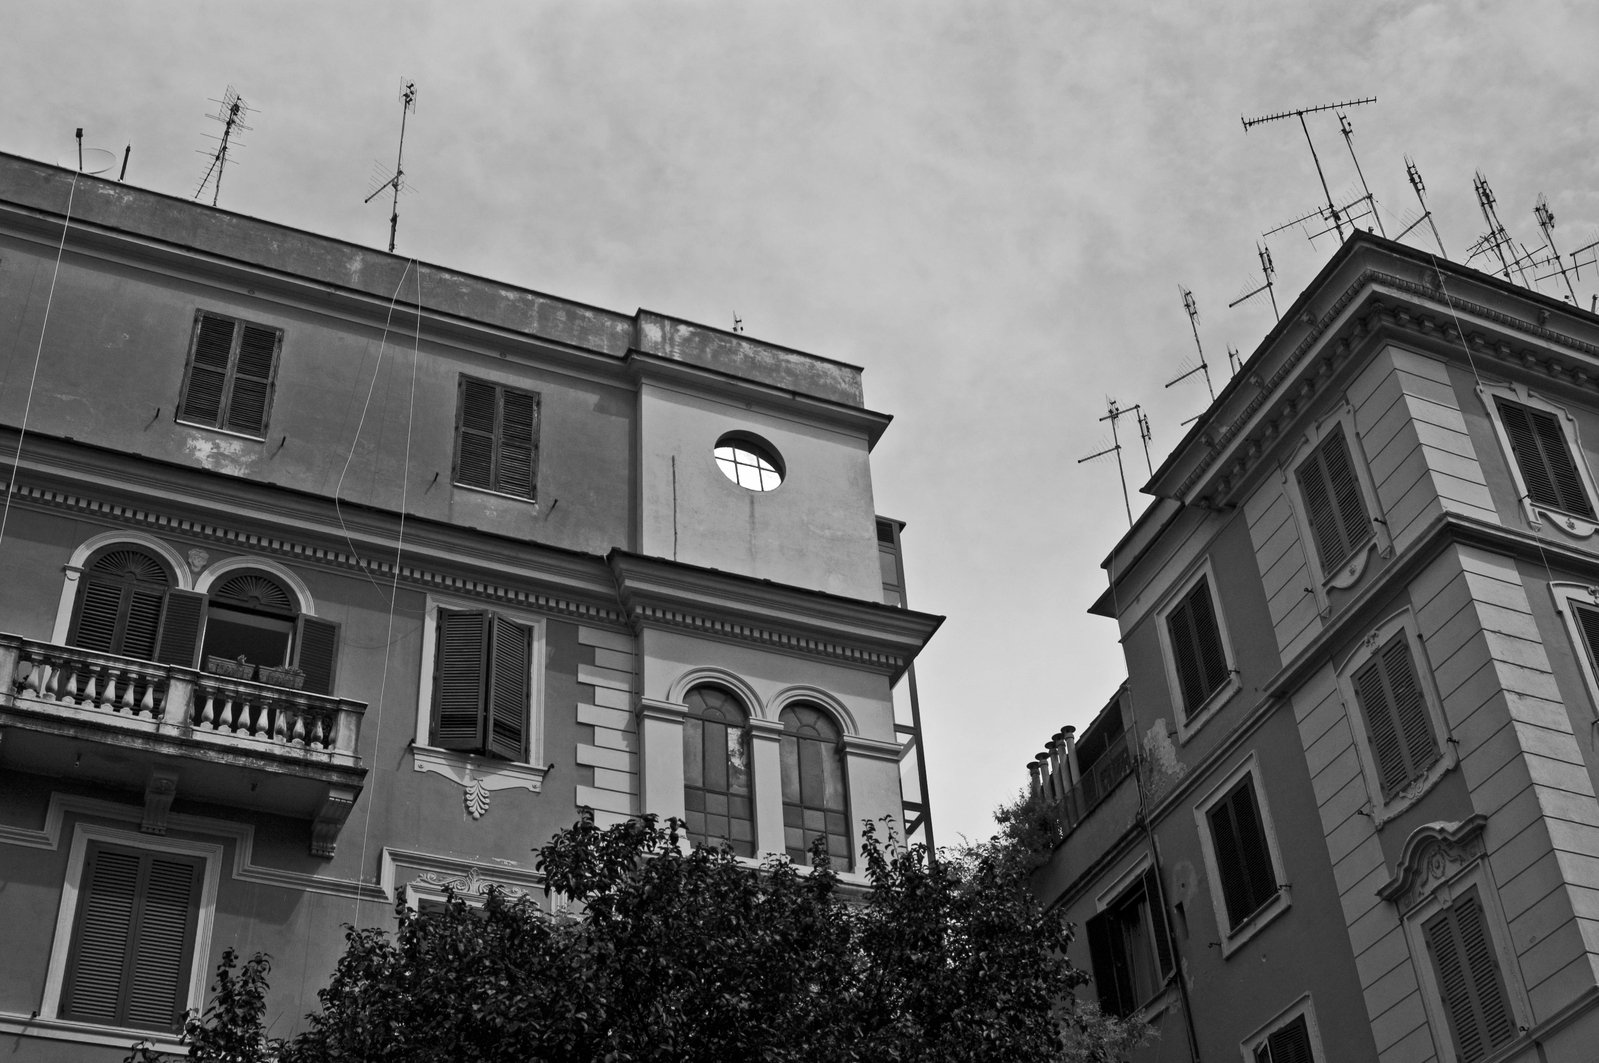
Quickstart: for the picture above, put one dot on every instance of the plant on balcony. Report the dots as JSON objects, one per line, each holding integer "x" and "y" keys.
{"x": 696, "y": 955}
{"x": 285, "y": 676}
{"x": 235, "y": 668}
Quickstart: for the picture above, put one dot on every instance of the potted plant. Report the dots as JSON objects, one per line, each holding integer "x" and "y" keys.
{"x": 284, "y": 676}
{"x": 237, "y": 668}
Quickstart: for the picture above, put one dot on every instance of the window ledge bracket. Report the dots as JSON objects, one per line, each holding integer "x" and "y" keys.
{"x": 478, "y": 776}
{"x": 1259, "y": 920}
{"x": 1385, "y": 811}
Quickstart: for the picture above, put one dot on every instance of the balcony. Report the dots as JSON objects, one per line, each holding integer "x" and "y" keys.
{"x": 1072, "y": 800}
{"x": 167, "y": 730}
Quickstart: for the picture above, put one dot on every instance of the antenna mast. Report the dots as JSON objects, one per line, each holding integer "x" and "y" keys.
{"x": 231, "y": 110}
{"x": 1332, "y": 209}
{"x": 1268, "y": 271}
{"x": 1414, "y": 176}
{"x": 1113, "y": 414}
{"x": 1193, "y": 322}
{"x": 1546, "y": 222}
{"x": 408, "y": 106}
{"x": 1349, "y": 138}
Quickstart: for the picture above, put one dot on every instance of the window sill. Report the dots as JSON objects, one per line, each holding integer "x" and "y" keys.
{"x": 1385, "y": 811}
{"x": 221, "y": 431}
{"x": 1351, "y": 568}
{"x": 534, "y": 502}
{"x": 1257, "y": 921}
{"x": 478, "y": 775}
{"x": 1186, "y": 729}
{"x": 1574, "y": 525}
{"x": 120, "y": 1037}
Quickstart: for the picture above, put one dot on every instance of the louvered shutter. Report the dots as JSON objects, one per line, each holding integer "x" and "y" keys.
{"x": 1544, "y": 458}
{"x": 1157, "y": 919}
{"x": 163, "y": 943}
{"x": 180, "y": 628}
{"x": 1410, "y": 707}
{"x": 316, "y": 652}
{"x": 509, "y": 670}
{"x": 133, "y": 939}
{"x": 1468, "y": 978}
{"x": 204, "y": 389}
{"x": 1291, "y": 1044}
{"x": 1201, "y": 661}
{"x": 518, "y": 443}
{"x": 1372, "y": 695}
{"x": 475, "y": 434}
{"x": 1352, "y": 516}
{"x": 252, "y": 379}
{"x": 95, "y": 625}
{"x": 1243, "y": 859}
{"x": 459, "y": 680}
{"x": 1108, "y": 975}
{"x": 1334, "y": 505}
{"x": 1588, "y": 621}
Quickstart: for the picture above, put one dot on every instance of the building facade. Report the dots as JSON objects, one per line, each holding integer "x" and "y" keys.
{"x": 1343, "y": 809}
{"x": 331, "y": 580}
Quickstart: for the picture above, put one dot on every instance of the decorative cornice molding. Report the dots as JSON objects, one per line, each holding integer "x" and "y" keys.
{"x": 1432, "y": 855}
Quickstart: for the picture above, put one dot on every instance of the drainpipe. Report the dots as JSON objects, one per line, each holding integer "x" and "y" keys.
{"x": 1165, "y": 912}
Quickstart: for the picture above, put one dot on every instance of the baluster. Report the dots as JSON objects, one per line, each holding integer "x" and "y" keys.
{"x": 52, "y": 686}
{"x": 208, "y": 715}
{"x": 280, "y": 724}
{"x": 324, "y": 734}
{"x": 34, "y": 681}
{"x": 298, "y": 734}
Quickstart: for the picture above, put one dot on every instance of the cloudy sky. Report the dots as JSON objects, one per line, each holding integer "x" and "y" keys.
{"x": 990, "y": 206}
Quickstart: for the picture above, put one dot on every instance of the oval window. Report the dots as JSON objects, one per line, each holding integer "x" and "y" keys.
{"x": 748, "y": 463}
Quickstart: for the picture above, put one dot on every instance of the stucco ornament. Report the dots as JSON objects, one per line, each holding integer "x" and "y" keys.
{"x": 469, "y": 884}
{"x": 1433, "y": 854}
{"x": 198, "y": 559}
{"x": 477, "y": 798}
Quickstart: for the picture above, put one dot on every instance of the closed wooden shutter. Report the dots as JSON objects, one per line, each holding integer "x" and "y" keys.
{"x": 316, "y": 652}
{"x": 180, "y": 628}
{"x": 98, "y": 620}
{"x": 1243, "y": 858}
{"x": 252, "y": 379}
{"x": 133, "y": 939}
{"x": 1588, "y": 622}
{"x": 510, "y": 666}
{"x": 205, "y": 389}
{"x": 1110, "y": 974}
{"x": 1544, "y": 458}
{"x": 119, "y": 604}
{"x": 518, "y": 456}
{"x": 1468, "y": 978}
{"x": 459, "y": 680}
{"x": 1397, "y": 722}
{"x": 1201, "y": 661}
{"x": 475, "y": 432}
{"x": 1157, "y": 919}
{"x": 1335, "y": 508}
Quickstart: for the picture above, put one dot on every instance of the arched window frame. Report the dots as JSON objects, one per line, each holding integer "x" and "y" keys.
{"x": 92, "y": 547}
{"x": 801, "y": 807}
{"x": 739, "y": 807}
{"x": 153, "y": 594}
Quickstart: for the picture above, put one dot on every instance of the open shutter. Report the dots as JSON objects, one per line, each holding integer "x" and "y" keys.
{"x": 1588, "y": 621}
{"x": 1252, "y": 838}
{"x": 316, "y": 652}
{"x": 101, "y": 936}
{"x": 1372, "y": 695}
{"x": 510, "y": 664}
{"x": 252, "y": 379}
{"x": 206, "y": 384}
{"x": 95, "y": 625}
{"x": 518, "y": 458}
{"x": 163, "y": 943}
{"x": 1569, "y": 493}
{"x": 1242, "y": 857}
{"x": 180, "y": 628}
{"x": 1185, "y": 656}
{"x": 458, "y": 680}
{"x": 1410, "y": 708}
{"x": 1102, "y": 956}
{"x": 475, "y": 433}
{"x": 1345, "y": 487}
{"x": 1321, "y": 512}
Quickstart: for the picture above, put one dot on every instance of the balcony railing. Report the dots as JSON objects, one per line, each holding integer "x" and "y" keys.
{"x": 1073, "y": 800}
{"x": 299, "y": 750}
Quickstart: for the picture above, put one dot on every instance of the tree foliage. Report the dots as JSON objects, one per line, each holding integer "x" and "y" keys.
{"x": 660, "y": 953}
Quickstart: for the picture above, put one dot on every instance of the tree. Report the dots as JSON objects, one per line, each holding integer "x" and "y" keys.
{"x": 666, "y": 954}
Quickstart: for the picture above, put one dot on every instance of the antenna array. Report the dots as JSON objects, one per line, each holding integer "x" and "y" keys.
{"x": 1114, "y": 413}
{"x": 407, "y": 106}
{"x": 231, "y": 110}
{"x": 1192, "y": 309}
{"x": 1333, "y": 213}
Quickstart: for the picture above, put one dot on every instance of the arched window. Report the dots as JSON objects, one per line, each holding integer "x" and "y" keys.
{"x": 121, "y": 601}
{"x": 814, "y": 801}
{"x": 251, "y": 615}
{"x": 716, "y": 771}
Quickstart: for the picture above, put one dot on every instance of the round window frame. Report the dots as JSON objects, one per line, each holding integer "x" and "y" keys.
{"x": 755, "y": 447}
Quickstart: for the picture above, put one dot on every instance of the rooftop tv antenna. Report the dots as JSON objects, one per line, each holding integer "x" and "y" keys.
{"x": 407, "y": 106}
{"x": 1268, "y": 271}
{"x": 1496, "y": 239}
{"x": 231, "y": 110}
{"x": 1193, "y": 322}
{"x": 738, "y": 323}
{"x": 1115, "y": 412}
{"x": 1546, "y": 222}
{"x": 1234, "y": 360}
{"x": 1414, "y": 176}
{"x": 1332, "y": 209}
{"x": 1349, "y": 138}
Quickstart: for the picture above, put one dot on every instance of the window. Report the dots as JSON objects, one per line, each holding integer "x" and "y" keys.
{"x": 1242, "y": 853}
{"x": 1469, "y": 982}
{"x": 1543, "y": 454}
{"x": 1287, "y": 1044}
{"x": 1195, "y": 641}
{"x": 749, "y": 462}
{"x": 121, "y": 603}
{"x": 133, "y": 938}
{"x": 814, "y": 804}
{"x": 482, "y": 685}
{"x": 1398, "y": 726}
{"x": 228, "y": 381}
{"x": 496, "y": 438}
{"x": 251, "y": 616}
{"x": 717, "y": 806}
{"x": 1334, "y": 505}
{"x": 1130, "y": 948}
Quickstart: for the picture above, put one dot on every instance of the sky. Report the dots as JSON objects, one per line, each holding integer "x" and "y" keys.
{"x": 992, "y": 207}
